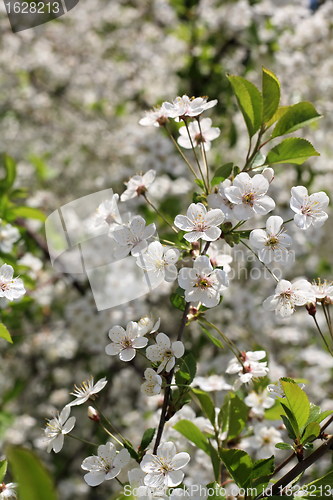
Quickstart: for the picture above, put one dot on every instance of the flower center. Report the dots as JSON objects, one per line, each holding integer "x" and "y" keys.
{"x": 248, "y": 199}
{"x": 199, "y": 138}
{"x": 4, "y": 286}
{"x": 272, "y": 241}
{"x": 141, "y": 189}
{"x": 203, "y": 283}
{"x": 168, "y": 353}
{"x": 126, "y": 343}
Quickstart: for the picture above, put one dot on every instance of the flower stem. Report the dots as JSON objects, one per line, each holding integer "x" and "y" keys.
{"x": 322, "y": 335}
{"x": 270, "y": 272}
{"x": 159, "y": 213}
{"x": 196, "y": 157}
{"x": 203, "y": 152}
{"x": 181, "y": 152}
{"x": 81, "y": 439}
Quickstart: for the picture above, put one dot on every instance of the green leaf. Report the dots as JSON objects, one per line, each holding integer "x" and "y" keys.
{"x": 233, "y": 416}
{"x": 3, "y": 469}
{"x": 270, "y": 94}
{"x": 222, "y": 173}
{"x": 178, "y": 301}
{"x": 187, "y": 370}
{"x": 206, "y": 404}
{"x": 316, "y": 415}
{"x": 200, "y": 183}
{"x": 27, "y": 213}
{"x": 212, "y": 337}
{"x": 310, "y": 433}
{"x": 34, "y": 481}
{"x": 189, "y": 430}
{"x": 239, "y": 465}
{"x": 261, "y": 473}
{"x": 298, "y": 116}
{"x": 292, "y": 421}
{"x": 10, "y": 168}
{"x": 216, "y": 490}
{"x": 129, "y": 447}
{"x": 284, "y": 446}
{"x": 322, "y": 485}
{"x": 4, "y": 333}
{"x": 292, "y": 150}
{"x": 147, "y": 438}
{"x": 297, "y": 402}
{"x": 249, "y": 101}
{"x": 291, "y": 433}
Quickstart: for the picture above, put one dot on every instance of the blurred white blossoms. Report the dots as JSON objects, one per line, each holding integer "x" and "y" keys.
{"x": 10, "y": 288}
{"x": 202, "y": 283}
{"x": 133, "y": 238}
{"x": 211, "y": 383}
{"x": 220, "y": 200}
{"x": 289, "y": 295}
{"x": 153, "y": 383}
{"x": 87, "y": 390}
{"x": 159, "y": 262}
{"x": 249, "y": 196}
{"x": 259, "y": 402}
{"x": 248, "y": 367}
{"x": 183, "y": 107}
{"x": 199, "y": 223}
{"x": 157, "y": 117}
{"x": 273, "y": 243}
{"x": 277, "y": 391}
{"x": 107, "y": 215}
{"x": 106, "y": 465}
{"x": 57, "y": 428}
{"x": 8, "y": 236}
{"x": 165, "y": 352}
{"x": 218, "y": 259}
{"x": 138, "y": 185}
{"x": 163, "y": 469}
{"x": 8, "y": 491}
{"x": 126, "y": 342}
{"x": 202, "y": 134}
{"x": 309, "y": 210}
{"x": 264, "y": 441}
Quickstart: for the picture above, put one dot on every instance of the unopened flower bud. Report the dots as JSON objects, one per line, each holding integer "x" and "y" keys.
{"x": 93, "y": 414}
{"x": 311, "y": 308}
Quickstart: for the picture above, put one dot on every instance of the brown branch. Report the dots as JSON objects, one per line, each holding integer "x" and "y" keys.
{"x": 167, "y": 391}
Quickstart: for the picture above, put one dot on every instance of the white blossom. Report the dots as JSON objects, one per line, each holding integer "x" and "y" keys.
{"x": 159, "y": 262}
{"x": 163, "y": 469}
{"x": 199, "y": 223}
{"x": 165, "y": 352}
{"x": 106, "y": 465}
{"x": 142, "y": 492}
{"x": 202, "y": 134}
{"x": 202, "y": 283}
{"x": 273, "y": 243}
{"x": 126, "y": 342}
{"x": 147, "y": 325}
{"x": 185, "y": 106}
{"x": 156, "y": 117}
{"x": 57, "y": 428}
{"x": 133, "y": 238}
{"x": 8, "y": 236}
{"x": 138, "y": 185}
{"x": 87, "y": 390}
{"x": 289, "y": 295}
{"x": 248, "y": 367}
{"x": 107, "y": 215}
{"x": 309, "y": 210}
{"x": 277, "y": 391}
{"x": 259, "y": 402}
{"x": 323, "y": 291}
{"x": 220, "y": 200}
{"x": 263, "y": 441}
{"x": 249, "y": 196}
{"x": 153, "y": 383}
{"x": 8, "y": 491}
{"x": 10, "y": 288}
{"x": 211, "y": 383}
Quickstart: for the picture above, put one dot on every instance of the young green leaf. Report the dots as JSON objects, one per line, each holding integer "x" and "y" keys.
{"x": 250, "y": 102}
{"x": 297, "y": 402}
{"x": 34, "y": 481}
{"x": 239, "y": 465}
{"x": 323, "y": 486}
{"x": 261, "y": 473}
{"x": 10, "y": 169}
{"x": 147, "y": 438}
{"x": 284, "y": 446}
{"x": 177, "y": 301}
{"x": 212, "y": 337}
{"x": 187, "y": 370}
{"x": 215, "y": 491}
{"x": 270, "y": 94}
{"x": 4, "y": 333}
{"x": 222, "y": 173}
{"x": 310, "y": 433}
{"x": 299, "y": 115}
{"x": 292, "y": 150}
{"x": 3, "y": 469}
{"x": 189, "y": 430}
{"x": 26, "y": 213}
{"x": 206, "y": 404}
{"x": 233, "y": 416}
{"x": 282, "y": 110}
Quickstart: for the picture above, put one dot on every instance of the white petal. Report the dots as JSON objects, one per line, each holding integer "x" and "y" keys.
{"x": 122, "y": 458}
{"x": 69, "y": 425}
{"x": 178, "y": 348}
{"x": 58, "y": 443}
{"x": 137, "y": 225}
{"x": 127, "y": 354}
{"x": 212, "y": 234}
{"x": 94, "y": 478}
{"x": 163, "y": 341}
{"x": 174, "y": 478}
{"x": 258, "y": 238}
{"x": 6, "y": 272}
{"x": 183, "y": 223}
{"x": 113, "y": 349}
{"x": 274, "y": 224}
{"x": 117, "y": 333}
{"x": 167, "y": 451}
{"x": 140, "y": 342}
{"x": 180, "y": 460}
